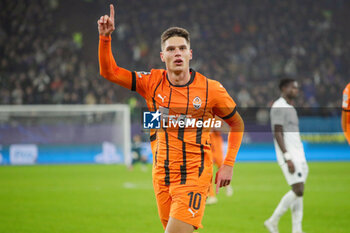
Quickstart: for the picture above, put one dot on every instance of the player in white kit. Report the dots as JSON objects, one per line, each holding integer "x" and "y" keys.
{"x": 290, "y": 156}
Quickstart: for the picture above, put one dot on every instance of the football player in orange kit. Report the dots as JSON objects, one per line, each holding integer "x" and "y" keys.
{"x": 345, "y": 116}
{"x": 182, "y": 166}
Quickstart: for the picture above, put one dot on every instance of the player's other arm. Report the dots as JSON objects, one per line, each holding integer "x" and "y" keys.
{"x": 225, "y": 108}
{"x": 234, "y": 139}
{"x": 278, "y": 135}
{"x": 345, "y": 116}
{"x": 108, "y": 67}
{"x": 345, "y": 122}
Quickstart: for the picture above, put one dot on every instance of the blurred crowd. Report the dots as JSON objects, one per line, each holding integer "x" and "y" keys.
{"x": 246, "y": 45}
{"x": 41, "y": 62}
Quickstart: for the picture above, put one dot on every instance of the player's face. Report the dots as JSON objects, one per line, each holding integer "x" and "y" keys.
{"x": 176, "y": 54}
{"x": 292, "y": 90}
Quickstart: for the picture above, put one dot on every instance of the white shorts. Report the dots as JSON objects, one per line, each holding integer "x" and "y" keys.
{"x": 300, "y": 174}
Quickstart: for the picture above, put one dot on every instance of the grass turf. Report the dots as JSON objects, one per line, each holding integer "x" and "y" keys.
{"x": 109, "y": 198}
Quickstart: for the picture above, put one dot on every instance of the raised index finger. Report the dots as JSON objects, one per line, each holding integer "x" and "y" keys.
{"x": 111, "y": 12}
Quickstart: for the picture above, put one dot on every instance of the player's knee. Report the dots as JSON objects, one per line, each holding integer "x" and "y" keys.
{"x": 178, "y": 231}
{"x": 177, "y": 226}
{"x": 299, "y": 192}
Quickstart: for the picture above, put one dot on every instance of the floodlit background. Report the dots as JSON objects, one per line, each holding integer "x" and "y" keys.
{"x": 60, "y": 116}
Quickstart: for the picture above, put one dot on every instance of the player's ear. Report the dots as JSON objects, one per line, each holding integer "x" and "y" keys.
{"x": 190, "y": 54}
{"x": 162, "y": 56}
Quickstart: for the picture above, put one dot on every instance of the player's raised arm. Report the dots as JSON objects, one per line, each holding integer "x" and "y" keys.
{"x": 108, "y": 67}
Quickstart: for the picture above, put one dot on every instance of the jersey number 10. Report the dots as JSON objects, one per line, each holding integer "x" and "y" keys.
{"x": 195, "y": 200}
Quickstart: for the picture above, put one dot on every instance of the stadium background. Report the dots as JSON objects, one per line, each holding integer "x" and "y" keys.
{"x": 48, "y": 55}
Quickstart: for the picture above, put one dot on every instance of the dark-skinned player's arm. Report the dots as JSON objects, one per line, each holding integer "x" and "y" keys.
{"x": 108, "y": 67}
{"x": 278, "y": 135}
{"x": 224, "y": 107}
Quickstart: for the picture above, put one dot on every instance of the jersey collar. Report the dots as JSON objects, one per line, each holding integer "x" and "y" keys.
{"x": 285, "y": 101}
{"x": 193, "y": 74}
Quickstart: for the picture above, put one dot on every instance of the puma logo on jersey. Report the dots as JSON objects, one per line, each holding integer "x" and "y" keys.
{"x": 163, "y": 98}
{"x": 192, "y": 212}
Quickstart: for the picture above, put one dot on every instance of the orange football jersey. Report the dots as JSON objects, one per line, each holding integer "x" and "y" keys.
{"x": 179, "y": 152}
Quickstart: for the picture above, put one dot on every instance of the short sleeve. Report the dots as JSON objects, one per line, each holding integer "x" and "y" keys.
{"x": 277, "y": 115}
{"x": 222, "y": 104}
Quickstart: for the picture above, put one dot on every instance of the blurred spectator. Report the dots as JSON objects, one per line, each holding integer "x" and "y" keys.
{"x": 248, "y": 47}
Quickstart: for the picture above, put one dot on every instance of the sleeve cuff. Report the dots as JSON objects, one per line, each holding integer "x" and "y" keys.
{"x": 229, "y": 163}
{"x": 105, "y": 38}
{"x": 228, "y": 116}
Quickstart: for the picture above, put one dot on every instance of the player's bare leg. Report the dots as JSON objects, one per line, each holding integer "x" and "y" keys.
{"x": 298, "y": 189}
{"x": 177, "y": 226}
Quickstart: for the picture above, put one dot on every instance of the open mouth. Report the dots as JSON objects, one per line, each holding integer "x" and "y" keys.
{"x": 178, "y": 61}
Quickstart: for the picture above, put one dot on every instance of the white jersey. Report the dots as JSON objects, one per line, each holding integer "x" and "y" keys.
{"x": 285, "y": 115}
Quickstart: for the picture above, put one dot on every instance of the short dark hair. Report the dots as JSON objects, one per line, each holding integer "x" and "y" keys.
{"x": 175, "y": 31}
{"x": 285, "y": 82}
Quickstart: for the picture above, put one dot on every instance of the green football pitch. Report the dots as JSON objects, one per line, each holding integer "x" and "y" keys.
{"x": 109, "y": 198}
